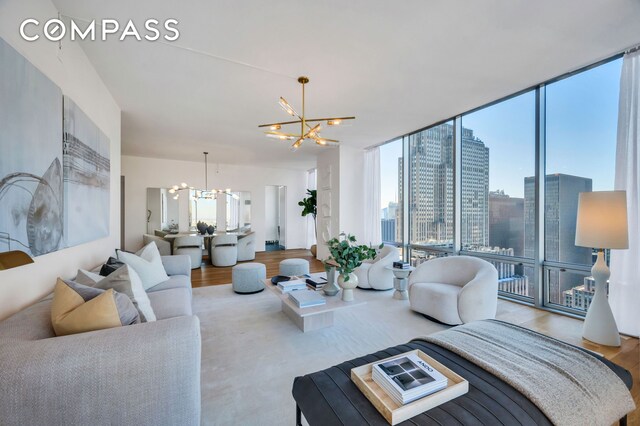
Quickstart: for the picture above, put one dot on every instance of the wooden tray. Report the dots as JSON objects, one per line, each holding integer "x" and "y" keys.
{"x": 395, "y": 413}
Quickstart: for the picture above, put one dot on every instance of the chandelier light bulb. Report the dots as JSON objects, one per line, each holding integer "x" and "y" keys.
{"x": 176, "y": 196}
{"x": 172, "y": 191}
{"x": 175, "y": 187}
{"x": 275, "y": 127}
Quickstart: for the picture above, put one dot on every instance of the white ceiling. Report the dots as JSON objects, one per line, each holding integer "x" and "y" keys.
{"x": 396, "y": 65}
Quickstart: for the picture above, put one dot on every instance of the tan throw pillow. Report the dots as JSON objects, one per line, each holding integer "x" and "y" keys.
{"x": 77, "y": 309}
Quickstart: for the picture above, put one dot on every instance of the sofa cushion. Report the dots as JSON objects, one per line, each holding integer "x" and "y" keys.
{"x": 147, "y": 263}
{"x": 124, "y": 280}
{"x": 77, "y": 308}
{"x": 31, "y": 323}
{"x": 174, "y": 281}
{"x": 437, "y": 300}
{"x": 174, "y": 302}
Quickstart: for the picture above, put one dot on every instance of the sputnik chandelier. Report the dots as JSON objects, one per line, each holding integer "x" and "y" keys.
{"x": 206, "y": 194}
{"x": 307, "y": 131}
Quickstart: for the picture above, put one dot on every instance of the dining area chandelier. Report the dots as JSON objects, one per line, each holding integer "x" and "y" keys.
{"x": 201, "y": 194}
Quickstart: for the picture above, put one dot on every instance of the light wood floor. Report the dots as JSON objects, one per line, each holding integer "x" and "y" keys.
{"x": 558, "y": 326}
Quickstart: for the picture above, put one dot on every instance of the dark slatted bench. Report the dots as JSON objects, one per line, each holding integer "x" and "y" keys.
{"x": 329, "y": 397}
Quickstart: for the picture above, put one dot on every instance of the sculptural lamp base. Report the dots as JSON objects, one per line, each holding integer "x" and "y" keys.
{"x": 599, "y": 324}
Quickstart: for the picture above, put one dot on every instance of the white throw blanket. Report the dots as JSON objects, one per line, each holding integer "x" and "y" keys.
{"x": 569, "y": 386}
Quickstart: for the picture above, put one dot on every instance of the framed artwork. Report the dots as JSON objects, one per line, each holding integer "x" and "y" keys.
{"x": 86, "y": 177}
{"x": 31, "y": 189}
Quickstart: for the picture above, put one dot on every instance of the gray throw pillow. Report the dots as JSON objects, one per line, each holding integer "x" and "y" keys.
{"x": 124, "y": 280}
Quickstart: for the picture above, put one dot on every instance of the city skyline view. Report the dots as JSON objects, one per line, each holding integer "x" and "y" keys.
{"x": 497, "y": 179}
{"x": 582, "y": 113}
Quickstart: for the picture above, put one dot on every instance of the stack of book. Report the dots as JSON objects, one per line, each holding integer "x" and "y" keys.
{"x": 407, "y": 378}
{"x": 316, "y": 283}
{"x": 288, "y": 286}
{"x": 401, "y": 265}
{"x": 306, "y": 298}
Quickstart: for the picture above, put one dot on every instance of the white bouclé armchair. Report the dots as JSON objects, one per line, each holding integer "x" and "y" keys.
{"x": 373, "y": 274}
{"x": 455, "y": 290}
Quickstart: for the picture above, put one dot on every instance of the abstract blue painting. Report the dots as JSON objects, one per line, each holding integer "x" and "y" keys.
{"x": 31, "y": 204}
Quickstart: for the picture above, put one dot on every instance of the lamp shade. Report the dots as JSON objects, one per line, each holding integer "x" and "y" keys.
{"x": 602, "y": 220}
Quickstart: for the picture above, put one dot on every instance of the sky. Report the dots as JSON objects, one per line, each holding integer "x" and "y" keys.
{"x": 582, "y": 114}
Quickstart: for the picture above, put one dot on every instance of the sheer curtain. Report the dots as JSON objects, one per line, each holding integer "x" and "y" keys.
{"x": 372, "y": 231}
{"x": 311, "y": 229}
{"x": 624, "y": 288}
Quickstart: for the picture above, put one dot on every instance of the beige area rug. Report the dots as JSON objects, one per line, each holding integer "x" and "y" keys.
{"x": 251, "y": 351}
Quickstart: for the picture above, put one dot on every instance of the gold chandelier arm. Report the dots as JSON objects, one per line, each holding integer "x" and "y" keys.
{"x": 281, "y": 123}
{"x": 329, "y": 118}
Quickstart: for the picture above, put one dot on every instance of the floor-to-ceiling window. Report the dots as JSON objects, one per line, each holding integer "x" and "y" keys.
{"x": 498, "y": 159}
{"x": 472, "y": 185}
{"x": 581, "y": 125}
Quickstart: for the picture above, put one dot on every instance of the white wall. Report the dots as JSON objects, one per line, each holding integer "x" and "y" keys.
{"x": 141, "y": 173}
{"x": 328, "y": 220}
{"x": 70, "y": 69}
{"x": 341, "y": 193}
{"x": 352, "y": 192}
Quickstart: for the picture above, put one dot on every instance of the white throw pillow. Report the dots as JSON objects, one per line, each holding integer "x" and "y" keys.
{"x": 124, "y": 280}
{"x": 147, "y": 263}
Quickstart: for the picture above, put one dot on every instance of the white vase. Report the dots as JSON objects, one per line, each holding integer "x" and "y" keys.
{"x": 348, "y": 286}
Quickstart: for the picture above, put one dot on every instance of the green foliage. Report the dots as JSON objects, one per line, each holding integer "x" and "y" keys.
{"x": 309, "y": 204}
{"x": 348, "y": 254}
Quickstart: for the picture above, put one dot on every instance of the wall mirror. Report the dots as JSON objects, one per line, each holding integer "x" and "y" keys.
{"x": 162, "y": 211}
{"x": 238, "y": 211}
{"x": 203, "y": 207}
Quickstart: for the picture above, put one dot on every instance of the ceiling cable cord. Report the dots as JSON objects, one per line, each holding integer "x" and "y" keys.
{"x": 195, "y": 51}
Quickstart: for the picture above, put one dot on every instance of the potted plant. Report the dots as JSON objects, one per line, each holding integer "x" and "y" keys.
{"x": 348, "y": 255}
{"x": 309, "y": 206}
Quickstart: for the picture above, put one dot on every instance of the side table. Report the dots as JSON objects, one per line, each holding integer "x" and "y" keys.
{"x": 400, "y": 281}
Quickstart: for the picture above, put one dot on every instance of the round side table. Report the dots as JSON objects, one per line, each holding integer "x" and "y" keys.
{"x": 400, "y": 282}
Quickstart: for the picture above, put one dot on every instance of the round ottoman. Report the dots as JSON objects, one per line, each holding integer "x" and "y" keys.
{"x": 248, "y": 278}
{"x": 292, "y": 267}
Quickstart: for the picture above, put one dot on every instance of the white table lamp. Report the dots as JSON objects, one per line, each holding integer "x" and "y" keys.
{"x": 602, "y": 224}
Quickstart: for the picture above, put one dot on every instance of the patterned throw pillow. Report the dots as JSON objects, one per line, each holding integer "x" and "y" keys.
{"x": 124, "y": 280}
{"x": 147, "y": 263}
{"x": 77, "y": 309}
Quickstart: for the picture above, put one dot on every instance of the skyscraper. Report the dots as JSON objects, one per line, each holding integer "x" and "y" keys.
{"x": 475, "y": 191}
{"x": 388, "y": 222}
{"x": 431, "y": 187}
{"x": 560, "y": 206}
{"x": 388, "y": 230}
{"x": 506, "y": 222}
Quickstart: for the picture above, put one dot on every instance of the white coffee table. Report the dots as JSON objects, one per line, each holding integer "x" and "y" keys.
{"x": 314, "y": 317}
{"x": 400, "y": 281}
